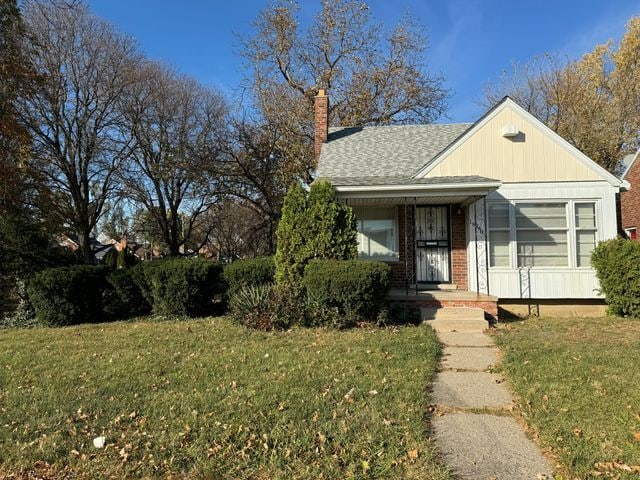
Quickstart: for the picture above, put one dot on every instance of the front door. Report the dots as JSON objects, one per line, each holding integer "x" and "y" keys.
{"x": 432, "y": 245}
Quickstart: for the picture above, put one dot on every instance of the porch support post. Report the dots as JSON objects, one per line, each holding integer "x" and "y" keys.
{"x": 481, "y": 244}
{"x": 486, "y": 240}
{"x": 406, "y": 249}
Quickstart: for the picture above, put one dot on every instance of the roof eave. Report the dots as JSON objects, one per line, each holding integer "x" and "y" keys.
{"x": 417, "y": 190}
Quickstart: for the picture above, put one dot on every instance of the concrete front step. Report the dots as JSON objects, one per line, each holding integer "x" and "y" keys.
{"x": 454, "y": 319}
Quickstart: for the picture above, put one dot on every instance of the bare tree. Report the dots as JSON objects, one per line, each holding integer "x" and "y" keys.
{"x": 374, "y": 77}
{"x": 173, "y": 173}
{"x": 236, "y": 230}
{"x": 258, "y": 172}
{"x": 74, "y": 116}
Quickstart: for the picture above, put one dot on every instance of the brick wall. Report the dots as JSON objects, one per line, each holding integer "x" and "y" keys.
{"x": 630, "y": 201}
{"x": 398, "y": 273}
{"x": 458, "y": 249}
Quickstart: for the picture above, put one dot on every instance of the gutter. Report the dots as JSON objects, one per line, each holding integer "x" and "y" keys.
{"x": 417, "y": 187}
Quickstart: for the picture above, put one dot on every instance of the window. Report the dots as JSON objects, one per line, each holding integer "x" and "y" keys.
{"x": 377, "y": 233}
{"x": 499, "y": 230}
{"x": 558, "y": 234}
{"x": 585, "y": 232}
{"x": 541, "y": 235}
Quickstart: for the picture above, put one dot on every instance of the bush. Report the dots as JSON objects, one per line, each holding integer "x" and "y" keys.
{"x": 68, "y": 295}
{"x": 179, "y": 286}
{"x": 354, "y": 287}
{"x": 125, "y": 258}
{"x": 141, "y": 275}
{"x": 287, "y": 307}
{"x": 123, "y": 298}
{"x": 110, "y": 259}
{"x": 23, "y": 315}
{"x": 250, "y": 272}
{"x": 617, "y": 264}
{"x": 313, "y": 226}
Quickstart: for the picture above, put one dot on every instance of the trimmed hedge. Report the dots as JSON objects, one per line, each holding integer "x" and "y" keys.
{"x": 249, "y": 272}
{"x": 141, "y": 275}
{"x": 68, "y": 295}
{"x": 179, "y": 286}
{"x": 123, "y": 298}
{"x": 354, "y": 287}
{"x": 617, "y": 264}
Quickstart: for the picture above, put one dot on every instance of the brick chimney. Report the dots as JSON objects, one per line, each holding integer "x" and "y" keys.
{"x": 321, "y": 121}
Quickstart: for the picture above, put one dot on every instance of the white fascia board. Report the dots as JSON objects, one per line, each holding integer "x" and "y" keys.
{"x": 423, "y": 191}
{"x": 589, "y": 163}
{"x": 414, "y": 193}
{"x": 436, "y": 187}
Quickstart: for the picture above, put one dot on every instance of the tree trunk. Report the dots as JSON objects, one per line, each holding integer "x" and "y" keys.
{"x": 84, "y": 241}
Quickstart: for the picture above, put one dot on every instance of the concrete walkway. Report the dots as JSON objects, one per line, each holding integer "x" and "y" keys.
{"x": 476, "y": 433}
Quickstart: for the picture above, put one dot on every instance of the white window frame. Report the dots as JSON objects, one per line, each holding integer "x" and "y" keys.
{"x": 396, "y": 241}
{"x": 575, "y": 229}
{"x": 572, "y": 247}
{"x": 509, "y": 230}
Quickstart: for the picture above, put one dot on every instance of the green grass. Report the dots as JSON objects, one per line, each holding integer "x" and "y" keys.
{"x": 578, "y": 381}
{"x": 209, "y": 399}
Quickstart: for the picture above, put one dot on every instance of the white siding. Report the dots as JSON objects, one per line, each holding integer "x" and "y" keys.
{"x": 559, "y": 282}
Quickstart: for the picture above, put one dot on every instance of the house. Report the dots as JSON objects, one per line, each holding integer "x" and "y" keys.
{"x": 98, "y": 248}
{"x": 629, "y": 170}
{"x": 499, "y": 209}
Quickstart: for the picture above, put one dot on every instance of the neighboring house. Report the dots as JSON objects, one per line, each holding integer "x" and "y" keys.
{"x": 98, "y": 248}
{"x": 629, "y": 171}
{"x": 503, "y": 206}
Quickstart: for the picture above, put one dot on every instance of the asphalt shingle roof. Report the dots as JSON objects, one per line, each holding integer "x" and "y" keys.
{"x": 386, "y": 151}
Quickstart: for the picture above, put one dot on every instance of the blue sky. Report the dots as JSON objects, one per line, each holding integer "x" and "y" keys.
{"x": 470, "y": 41}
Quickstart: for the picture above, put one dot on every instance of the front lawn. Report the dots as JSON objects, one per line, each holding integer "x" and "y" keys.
{"x": 578, "y": 381}
{"x": 207, "y": 398}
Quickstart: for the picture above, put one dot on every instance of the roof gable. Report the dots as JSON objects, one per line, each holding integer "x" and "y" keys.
{"x": 536, "y": 154}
